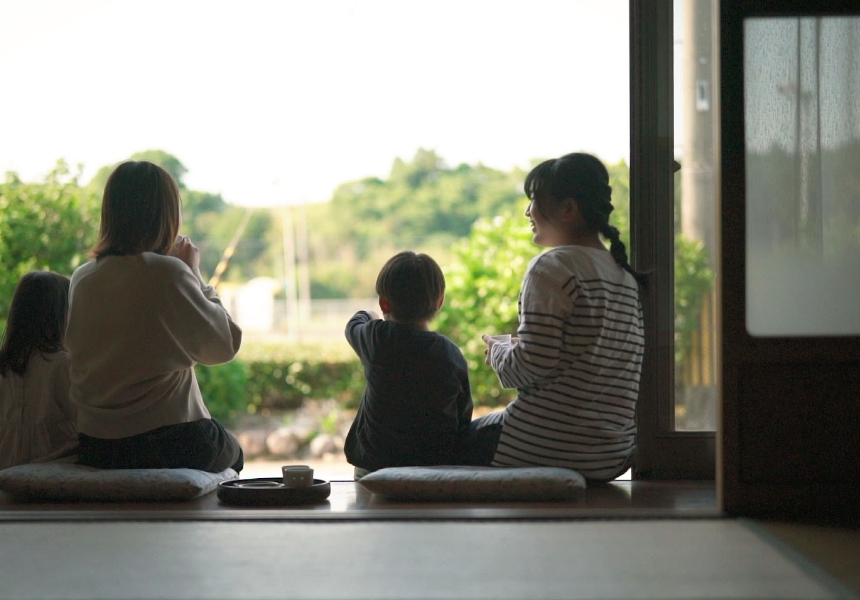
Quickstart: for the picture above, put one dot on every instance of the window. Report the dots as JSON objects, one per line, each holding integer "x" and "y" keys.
{"x": 679, "y": 393}
{"x": 802, "y": 120}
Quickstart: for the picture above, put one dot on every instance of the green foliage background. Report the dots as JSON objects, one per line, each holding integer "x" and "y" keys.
{"x": 469, "y": 217}
{"x": 693, "y": 280}
{"x": 45, "y": 225}
{"x": 482, "y": 288}
{"x": 422, "y": 205}
{"x": 272, "y": 378}
{"x": 224, "y": 389}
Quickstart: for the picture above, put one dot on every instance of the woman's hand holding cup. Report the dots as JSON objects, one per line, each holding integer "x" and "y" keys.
{"x": 491, "y": 340}
{"x": 188, "y": 253}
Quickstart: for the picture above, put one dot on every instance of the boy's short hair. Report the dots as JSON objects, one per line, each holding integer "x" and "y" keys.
{"x": 412, "y": 284}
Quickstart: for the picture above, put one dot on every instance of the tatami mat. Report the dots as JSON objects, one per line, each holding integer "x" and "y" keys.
{"x": 714, "y": 558}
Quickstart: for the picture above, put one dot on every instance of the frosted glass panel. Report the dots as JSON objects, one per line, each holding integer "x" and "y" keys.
{"x": 802, "y": 120}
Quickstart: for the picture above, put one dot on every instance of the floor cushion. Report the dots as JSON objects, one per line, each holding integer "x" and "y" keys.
{"x": 54, "y": 481}
{"x": 471, "y": 484}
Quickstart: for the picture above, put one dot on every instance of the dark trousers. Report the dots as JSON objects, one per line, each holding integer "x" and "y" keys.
{"x": 203, "y": 445}
{"x": 480, "y": 447}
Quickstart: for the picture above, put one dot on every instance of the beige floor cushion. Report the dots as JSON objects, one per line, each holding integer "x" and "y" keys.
{"x": 55, "y": 481}
{"x": 471, "y": 484}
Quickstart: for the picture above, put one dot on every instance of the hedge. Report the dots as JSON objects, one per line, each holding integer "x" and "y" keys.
{"x": 279, "y": 378}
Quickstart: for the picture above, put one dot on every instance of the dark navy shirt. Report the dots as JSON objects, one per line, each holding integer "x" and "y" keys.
{"x": 417, "y": 404}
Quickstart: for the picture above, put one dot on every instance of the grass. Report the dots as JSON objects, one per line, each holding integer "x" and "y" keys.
{"x": 292, "y": 351}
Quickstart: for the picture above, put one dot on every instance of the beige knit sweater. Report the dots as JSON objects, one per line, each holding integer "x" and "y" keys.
{"x": 137, "y": 326}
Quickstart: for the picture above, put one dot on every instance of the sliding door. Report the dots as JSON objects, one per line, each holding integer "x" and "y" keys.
{"x": 678, "y": 400}
{"x": 790, "y": 258}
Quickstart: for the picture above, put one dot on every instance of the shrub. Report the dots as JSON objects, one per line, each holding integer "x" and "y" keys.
{"x": 277, "y": 385}
{"x": 47, "y": 225}
{"x": 224, "y": 389}
{"x": 280, "y": 377}
{"x": 482, "y": 287}
{"x": 694, "y": 279}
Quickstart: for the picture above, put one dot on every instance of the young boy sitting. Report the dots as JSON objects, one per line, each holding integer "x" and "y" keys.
{"x": 417, "y": 404}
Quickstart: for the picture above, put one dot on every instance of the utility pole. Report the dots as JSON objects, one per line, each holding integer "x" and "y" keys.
{"x": 698, "y": 210}
{"x": 290, "y": 287}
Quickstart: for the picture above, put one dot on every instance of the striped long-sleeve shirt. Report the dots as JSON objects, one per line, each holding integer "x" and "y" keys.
{"x": 576, "y": 365}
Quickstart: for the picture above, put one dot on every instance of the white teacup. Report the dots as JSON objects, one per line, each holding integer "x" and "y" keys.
{"x": 501, "y": 339}
{"x": 296, "y": 476}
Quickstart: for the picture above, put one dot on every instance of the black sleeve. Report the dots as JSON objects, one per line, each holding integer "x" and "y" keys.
{"x": 354, "y": 328}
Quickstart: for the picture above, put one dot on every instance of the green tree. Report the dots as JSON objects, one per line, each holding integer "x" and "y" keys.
{"x": 422, "y": 205}
{"x": 166, "y": 161}
{"x": 202, "y": 213}
{"x": 421, "y": 200}
{"x": 482, "y": 288}
{"x": 163, "y": 159}
{"x": 619, "y": 180}
{"x": 46, "y": 225}
{"x": 426, "y": 166}
{"x": 254, "y": 252}
{"x": 694, "y": 279}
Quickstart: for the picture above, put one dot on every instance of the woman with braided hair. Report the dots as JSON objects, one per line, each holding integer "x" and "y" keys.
{"x": 577, "y": 355}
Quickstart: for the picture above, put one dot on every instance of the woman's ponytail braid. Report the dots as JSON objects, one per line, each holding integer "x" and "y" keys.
{"x": 619, "y": 252}
{"x": 588, "y": 183}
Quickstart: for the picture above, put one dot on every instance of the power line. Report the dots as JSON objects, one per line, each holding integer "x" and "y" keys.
{"x": 230, "y": 249}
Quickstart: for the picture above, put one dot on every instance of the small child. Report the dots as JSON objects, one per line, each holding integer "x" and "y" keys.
{"x": 417, "y": 404}
{"x": 38, "y": 420}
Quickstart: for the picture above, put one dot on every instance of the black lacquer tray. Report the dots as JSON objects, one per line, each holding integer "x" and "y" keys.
{"x": 271, "y": 491}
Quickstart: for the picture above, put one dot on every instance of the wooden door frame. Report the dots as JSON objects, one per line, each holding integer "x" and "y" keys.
{"x": 662, "y": 453}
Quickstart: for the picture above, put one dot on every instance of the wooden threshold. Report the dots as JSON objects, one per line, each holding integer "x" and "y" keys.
{"x": 350, "y": 501}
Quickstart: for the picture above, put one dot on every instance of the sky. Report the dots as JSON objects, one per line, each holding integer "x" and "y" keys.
{"x": 273, "y": 102}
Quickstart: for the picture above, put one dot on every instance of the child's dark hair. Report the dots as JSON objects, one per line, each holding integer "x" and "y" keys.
{"x": 37, "y": 319}
{"x": 585, "y": 179}
{"x": 413, "y": 284}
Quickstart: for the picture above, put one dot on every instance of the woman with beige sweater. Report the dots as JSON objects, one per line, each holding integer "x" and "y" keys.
{"x": 140, "y": 318}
